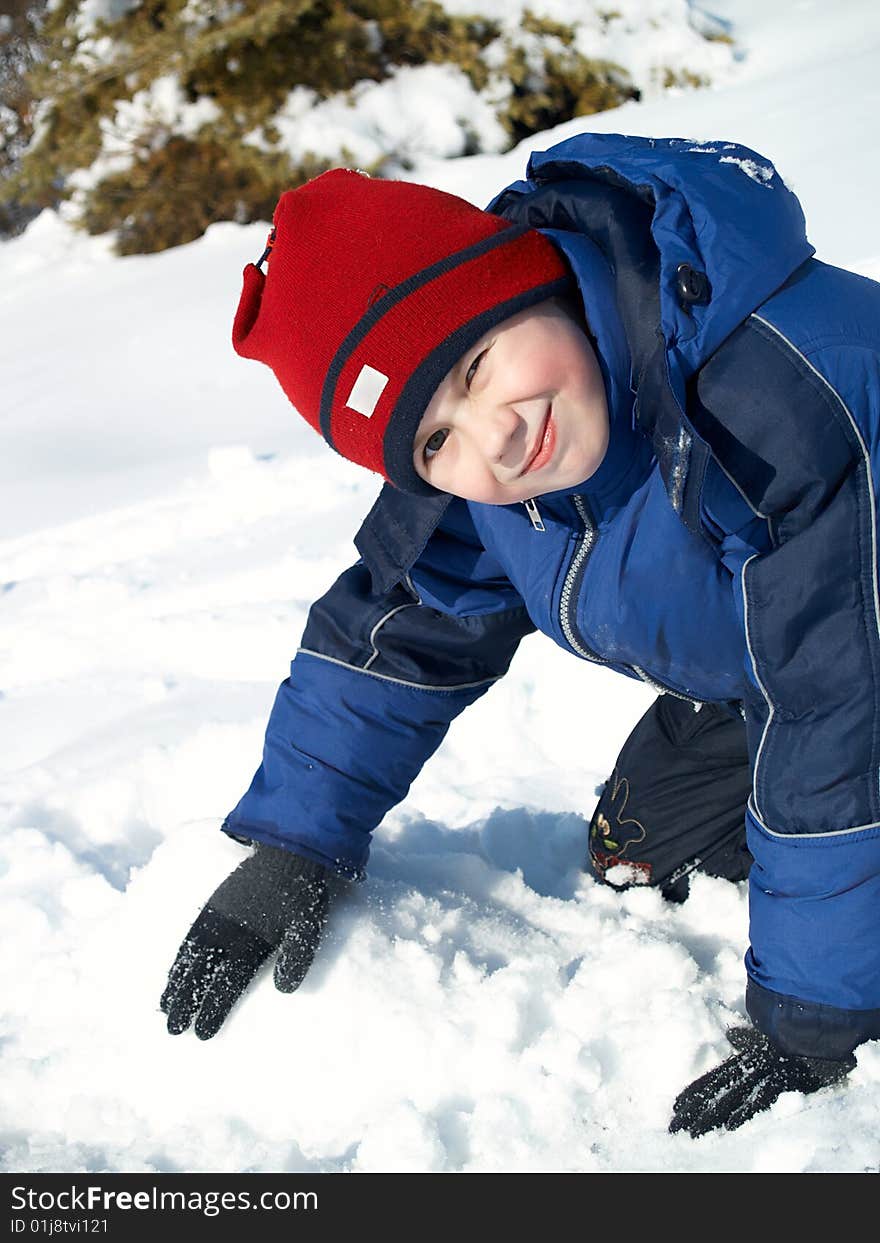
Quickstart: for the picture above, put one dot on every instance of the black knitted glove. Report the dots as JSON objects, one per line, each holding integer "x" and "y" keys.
{"x": 748, "y": 1082}
{"x": 273, "y": 899}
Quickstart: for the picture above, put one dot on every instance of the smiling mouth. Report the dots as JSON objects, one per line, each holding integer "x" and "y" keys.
{"x": 545, "y": 446}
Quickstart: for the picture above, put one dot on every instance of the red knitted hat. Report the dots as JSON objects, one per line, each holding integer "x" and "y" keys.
{"x": 374, "y": 291}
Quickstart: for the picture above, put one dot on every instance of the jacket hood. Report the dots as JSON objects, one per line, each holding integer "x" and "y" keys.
{"x": 648, "y": 206}
{"x": 718, "y": 207}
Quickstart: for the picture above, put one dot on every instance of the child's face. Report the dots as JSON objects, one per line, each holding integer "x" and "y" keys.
{"x": 522, "y": 413}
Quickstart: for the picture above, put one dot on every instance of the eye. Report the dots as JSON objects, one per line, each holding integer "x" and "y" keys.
{"x": 472, "y": 369}
{"x": 435, "y": 443}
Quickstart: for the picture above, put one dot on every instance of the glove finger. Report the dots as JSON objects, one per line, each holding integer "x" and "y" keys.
{"x": 226, "y": 986}
{"x": 185, "y": 960}
{"x": 755, "y": 1091}
{"x": 700, "y": 1117}
{"x": 190, "y": 991}
{"x": 299, "y": 946}
{"x": 714, "y": 1084}
{"x": 707, "y": 1102}
{"x": 761, "y": 1096}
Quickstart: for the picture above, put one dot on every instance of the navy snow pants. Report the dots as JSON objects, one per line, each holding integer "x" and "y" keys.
{"x": 675, "y": 801}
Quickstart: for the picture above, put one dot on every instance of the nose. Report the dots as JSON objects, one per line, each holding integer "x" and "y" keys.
{"x": 498, "y": 430}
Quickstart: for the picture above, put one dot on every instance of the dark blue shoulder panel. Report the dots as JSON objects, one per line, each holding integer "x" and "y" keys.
{"x": 793, "y": 450}
{"x": 393, "y": 635}
{"x": 395, "y": 531}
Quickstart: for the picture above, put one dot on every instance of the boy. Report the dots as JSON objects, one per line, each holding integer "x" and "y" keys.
{"x": 624, "y": 406}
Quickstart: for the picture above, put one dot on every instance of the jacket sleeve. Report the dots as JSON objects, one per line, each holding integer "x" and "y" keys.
{"x": 372, "y": 691}
{"x": 812, "y": 630}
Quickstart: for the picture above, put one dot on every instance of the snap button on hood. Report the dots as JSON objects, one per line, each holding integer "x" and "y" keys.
{"x": 692, "y": 286}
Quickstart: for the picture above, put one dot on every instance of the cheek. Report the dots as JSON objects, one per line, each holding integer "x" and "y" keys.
{"x": 581, "y": 367}
{"x": 555, "y": 355}
{"x": 532, "y": 371}
{"x": 463, "y": 474}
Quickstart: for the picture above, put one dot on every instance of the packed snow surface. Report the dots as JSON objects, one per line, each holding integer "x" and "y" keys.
{"x": 480, "y": 1003}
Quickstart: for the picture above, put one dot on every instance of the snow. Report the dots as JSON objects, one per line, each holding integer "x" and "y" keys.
{"x": 90, "y": 12}
{"x": 161, "y": 107}
{"x": 643, "y": 36}
{"x": 480, "y": 1003}
{"x": 426, "y": 110}
{"x": 758, "y": 172}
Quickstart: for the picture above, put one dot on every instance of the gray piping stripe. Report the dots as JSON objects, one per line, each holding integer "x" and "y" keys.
{"x": 859, "y": 828}
{"x": 378, "y": 626}
{"x": 870, "y": 480}
{"x": 763, "y": 690}
{"x": 383, "y": 677}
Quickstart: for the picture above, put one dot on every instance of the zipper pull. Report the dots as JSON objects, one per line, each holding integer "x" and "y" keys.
{"x": 534, "y": 516}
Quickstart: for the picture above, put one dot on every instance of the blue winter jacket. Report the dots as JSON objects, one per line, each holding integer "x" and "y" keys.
{"x": 725, "y": 550}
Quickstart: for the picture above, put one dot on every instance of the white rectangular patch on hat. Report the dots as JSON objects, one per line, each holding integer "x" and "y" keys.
{"x": 366, "y": 391}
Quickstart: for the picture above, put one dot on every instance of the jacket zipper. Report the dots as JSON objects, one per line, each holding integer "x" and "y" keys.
{"x": 566, "y": 608}
{"x": 578, "y": 561}
{"x": 534, "y": 516}
{"x": 666, "y": 690}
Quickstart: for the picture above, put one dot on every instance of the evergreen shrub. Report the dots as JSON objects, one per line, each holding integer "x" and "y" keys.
{"x": 98, "y": 130}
